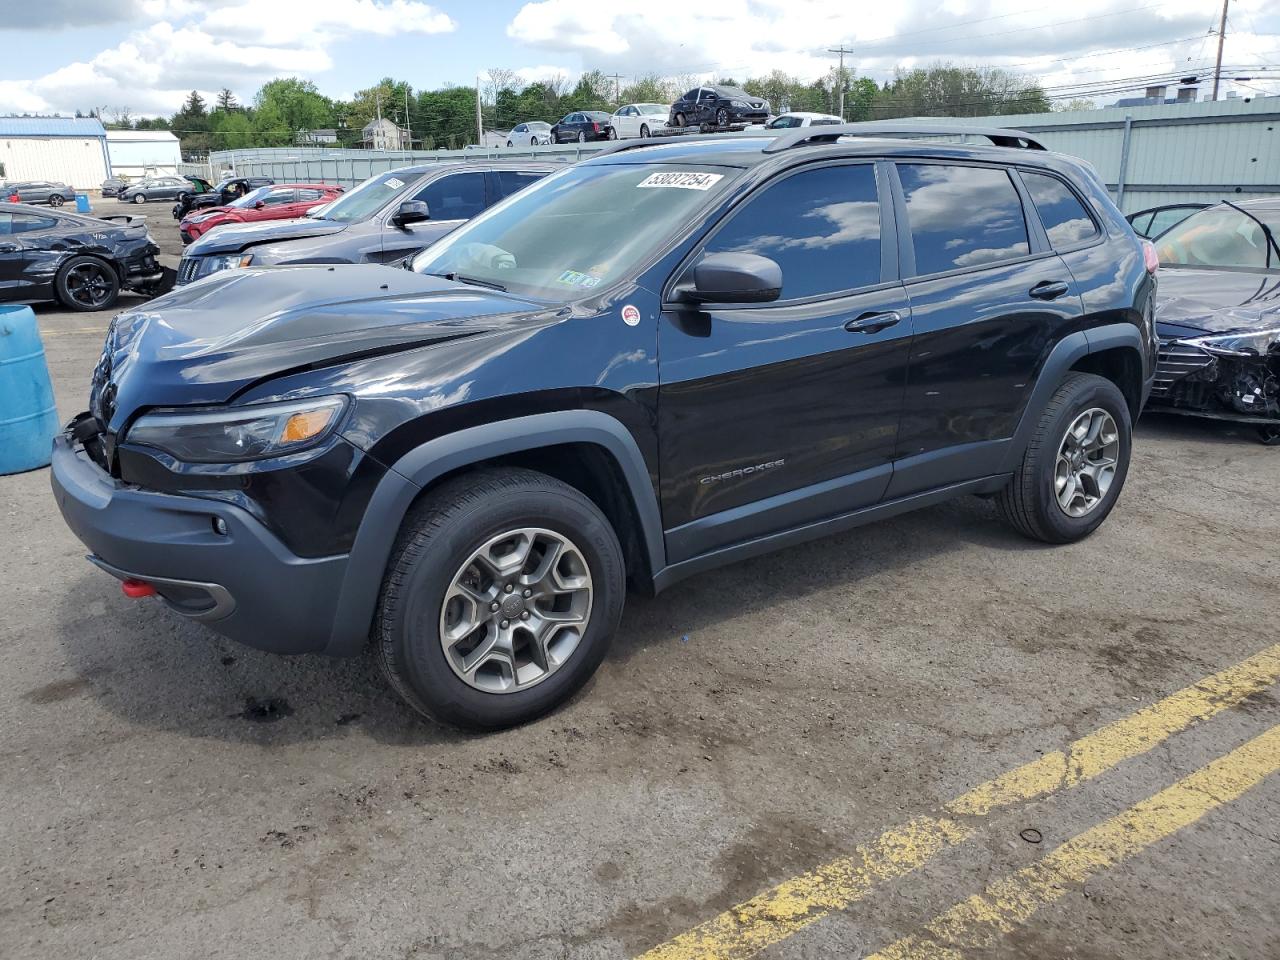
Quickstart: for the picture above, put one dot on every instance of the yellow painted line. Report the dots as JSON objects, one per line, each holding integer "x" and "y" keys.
{"x": 984, "y": 918}
{"x": 770, "y": 917}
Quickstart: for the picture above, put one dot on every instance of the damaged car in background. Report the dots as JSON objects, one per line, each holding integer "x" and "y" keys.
{"x": 1218, "y": 316}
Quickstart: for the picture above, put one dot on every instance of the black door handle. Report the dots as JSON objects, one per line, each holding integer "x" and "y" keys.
{"x": 9, "y": 248}
{"x": 873, "y": 322}
{"x": 1049, "y": 289}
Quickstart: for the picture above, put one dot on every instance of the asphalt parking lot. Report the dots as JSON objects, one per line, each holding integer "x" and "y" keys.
{"x": 925, "y": 738}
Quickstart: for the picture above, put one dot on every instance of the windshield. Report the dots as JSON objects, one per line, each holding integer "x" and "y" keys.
{"x": 652, "y": 108}
{"x": 250, "y": 198}
{"x": 370, "y": 197}
{"x": 539, "y": 125}
{"x": 1221, "y": 236}
{"x": 734, "y": 93}
{"x": 577, "y": 230}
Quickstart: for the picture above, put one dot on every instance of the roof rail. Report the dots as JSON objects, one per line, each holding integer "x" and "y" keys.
{"x": 617, "y": 146}
{"x": 999, "y": 136}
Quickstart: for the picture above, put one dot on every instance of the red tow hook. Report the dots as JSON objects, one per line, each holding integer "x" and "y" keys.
{"x": 137, "y": 589}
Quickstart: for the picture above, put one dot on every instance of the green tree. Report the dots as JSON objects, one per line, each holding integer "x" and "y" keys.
{"x": 1076, "y": 103}
{"x": 227, "y": 101}
{"x": 648, "y": 88}
{"x": 949, "y": 90}
{"x": 286, "y": 106}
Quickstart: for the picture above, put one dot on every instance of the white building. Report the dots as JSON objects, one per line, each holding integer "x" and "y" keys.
{"x": 71, "y": 150}
{"x": 384, "y": 135}
{"x": 142, "y": 153}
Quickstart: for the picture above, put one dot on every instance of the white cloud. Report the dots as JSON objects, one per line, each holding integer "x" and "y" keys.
{"x": 1062, "y": 44}
{"x": 214, "y": 43}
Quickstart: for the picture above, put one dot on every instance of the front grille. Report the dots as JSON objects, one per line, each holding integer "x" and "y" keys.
{"x": 187, "y": 269}
{"x": 1175, "y": 361}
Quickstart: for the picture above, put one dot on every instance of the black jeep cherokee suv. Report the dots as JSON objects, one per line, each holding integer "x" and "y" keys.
{"x": 660, "y": 360}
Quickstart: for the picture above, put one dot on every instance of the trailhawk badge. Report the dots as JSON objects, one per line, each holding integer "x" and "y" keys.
{"x": 631, "y": 315}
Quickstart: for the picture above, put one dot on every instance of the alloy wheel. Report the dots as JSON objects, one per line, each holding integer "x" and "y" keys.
{"x": 55, "y": 201}
{"x": 1086, "y": 462}
{"x": 722, "y": 117}
{"x": 516, "y": 610}
{"x": 89, "y": 284}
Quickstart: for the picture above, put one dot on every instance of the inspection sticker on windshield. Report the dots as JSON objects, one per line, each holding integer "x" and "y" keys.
{"x": 576, "y": 279}
{"x": 394, "y": 183}
{"x": 682, "y": 180}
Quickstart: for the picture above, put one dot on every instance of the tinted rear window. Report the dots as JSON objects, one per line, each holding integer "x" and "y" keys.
{"x": 1064, "y": 217}
{"x": 962, "y": 216}
{"x": 821, "y": 226}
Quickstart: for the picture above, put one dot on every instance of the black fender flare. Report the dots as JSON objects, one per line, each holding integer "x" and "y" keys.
{"x": 408, "y": 476}
{"x": 1065, "y": 353}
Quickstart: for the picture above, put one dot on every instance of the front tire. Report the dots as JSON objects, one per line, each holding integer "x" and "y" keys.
{"x": 139, "y": 198}
{"x": 1270, "y": 436}
{"x": 722, "y": 117}
{"x": 1075, "y": 464}
{"x": 532, "y": 547}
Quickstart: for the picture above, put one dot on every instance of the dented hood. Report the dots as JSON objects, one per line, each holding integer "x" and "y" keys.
{"x": 206, "y": 342}
{"x": 232, "y": 238}
{"x": 1193, "y": 300}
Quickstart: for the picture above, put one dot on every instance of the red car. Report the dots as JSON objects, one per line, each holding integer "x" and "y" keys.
{"x": 281, "y": 201}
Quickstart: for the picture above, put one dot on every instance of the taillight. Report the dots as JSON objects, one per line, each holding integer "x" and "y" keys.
{"x": 1150, "y": 257}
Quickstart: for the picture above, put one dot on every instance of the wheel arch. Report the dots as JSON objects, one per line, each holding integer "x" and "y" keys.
{"x": 1112, "y": 350}
{"x": 587, "y": 449}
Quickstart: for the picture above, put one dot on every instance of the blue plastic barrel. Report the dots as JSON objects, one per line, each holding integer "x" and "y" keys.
{"x": 28, "y": 418}
{"x": 82, "y": 203}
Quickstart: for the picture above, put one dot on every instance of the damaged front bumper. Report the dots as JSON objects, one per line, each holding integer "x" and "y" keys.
{"x": 1201, "y": 381}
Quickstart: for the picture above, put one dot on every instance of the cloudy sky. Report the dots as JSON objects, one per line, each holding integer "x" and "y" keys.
{"x": 63, "y": 55}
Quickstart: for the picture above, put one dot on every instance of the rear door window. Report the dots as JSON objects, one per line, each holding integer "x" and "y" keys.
{"x": 962, "y": 216}
{"x": 509, "y": 181}
{"x": 821, "y": 226}
{"x": 1064, "y": 217}
{"x": 458, "y": 196}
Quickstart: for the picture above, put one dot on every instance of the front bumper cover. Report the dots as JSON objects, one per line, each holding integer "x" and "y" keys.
{"x": 243, "y": 583}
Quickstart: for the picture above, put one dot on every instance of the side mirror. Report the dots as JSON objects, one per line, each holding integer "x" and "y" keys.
{"x": 411, "y": 211}
{"x": 259, "y": 204}
{"x": 734, "y": 278}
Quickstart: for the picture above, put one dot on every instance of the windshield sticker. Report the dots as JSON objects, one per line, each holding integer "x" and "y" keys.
{"x": 575, "y": 279}
{"x": 394, "y": 183}
{"x": 682, "y": 179}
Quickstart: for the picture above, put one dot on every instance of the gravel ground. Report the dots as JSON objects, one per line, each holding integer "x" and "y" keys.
{"x": 169, "y": 794}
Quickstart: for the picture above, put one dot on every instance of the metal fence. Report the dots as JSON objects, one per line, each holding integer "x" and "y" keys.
{"x": 1147, "y": 155}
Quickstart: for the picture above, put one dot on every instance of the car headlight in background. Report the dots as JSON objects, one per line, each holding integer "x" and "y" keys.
{"x": 1254, "y": 343}
{"x": 238, "y": 434}
{"x": 228, "y": 261}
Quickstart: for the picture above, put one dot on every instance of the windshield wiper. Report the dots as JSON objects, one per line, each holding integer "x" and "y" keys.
{"x": 473, "y": 281}
{"x": 1266, "y": 231}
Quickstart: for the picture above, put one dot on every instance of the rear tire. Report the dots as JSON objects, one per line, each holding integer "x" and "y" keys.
{"x": 87, "y": 283}
{"x": 442, "y": 558}
{"x": 1269, "y": 436}
{"x": 582, "y": 136}
{"x": 679, "y": 119}
{"x": 644, "y": 131}
{"x": 56, "y": 200}
{"x": 1061, "y": 492}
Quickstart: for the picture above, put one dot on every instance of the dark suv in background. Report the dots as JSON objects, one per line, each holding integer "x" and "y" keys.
{"x": 658, "y": 361}
{"x": 383, "y": 220}
{"x": 718, "y": 106}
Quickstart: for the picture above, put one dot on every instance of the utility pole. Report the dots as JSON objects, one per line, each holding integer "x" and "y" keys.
{"x": 1222, "y": 35}
{"x": 842, "y": 50}
{"x": 408, "y": 132}
{"x": 479, "y": 115}
{"x": 617, "y": 86}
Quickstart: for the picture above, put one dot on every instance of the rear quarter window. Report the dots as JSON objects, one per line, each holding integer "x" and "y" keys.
{"x": 962, "y": 217}
{"x": 1064, "y": 217}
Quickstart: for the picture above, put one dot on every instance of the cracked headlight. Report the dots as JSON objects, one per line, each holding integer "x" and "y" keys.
{"x": 237, "y": 434}
{"x": 1254, "y": 343}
